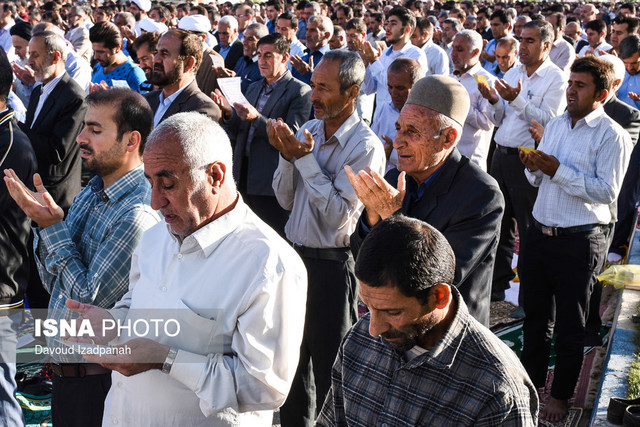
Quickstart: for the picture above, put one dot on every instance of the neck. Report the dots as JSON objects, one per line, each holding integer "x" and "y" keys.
{"x": 421, "y": 177}
{"x": 466, "y": 68}
{"x": 533, "y": 67}
{"x": 272, "y": 79}
{"x": 400, "y": 43}
{"x": 174, "y": 87}
{"x": 429, "y": 340}
{"x": 575, "y": 120}
{"x": 122, "y": 171}
{"x": 332, "y": 125}
{"x": 119, "y": 60}
{"x": 55, "y": 75}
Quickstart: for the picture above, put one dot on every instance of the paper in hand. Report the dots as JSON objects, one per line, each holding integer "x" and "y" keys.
{"x": 230, "y": 87}
{"x": 216, "y": 60}
{"x": 120, "y": 83}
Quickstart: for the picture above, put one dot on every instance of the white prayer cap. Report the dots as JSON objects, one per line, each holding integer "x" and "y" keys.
{"x": 198, "y": 23}
{"x": 151, "y": 26}
{"x": 143, "y": 4}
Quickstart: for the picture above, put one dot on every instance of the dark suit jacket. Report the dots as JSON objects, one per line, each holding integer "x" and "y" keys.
{"x": 290, "y": 101}
{"x": 234, "y": 54}
{"x": 190, "y": 99}
{"x": 625, "y": 115}
{"x": 53, "y": 138}
{"x": 206, "y": 76}
{"x": 465, "y": 204}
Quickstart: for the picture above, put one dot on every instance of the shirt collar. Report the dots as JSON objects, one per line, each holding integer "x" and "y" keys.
{"x": 541, "y": 70}
{"x": 173, "y": 96}
{"x": 592, "y": 119}
{"x": 48, "y": 88}
{"x": 403, "y": 49}
{"x": 344, "y": 132}
{"x": 209, "y": 237}
{"x": 120, "y": 187}
{"x": 471, "y": 71}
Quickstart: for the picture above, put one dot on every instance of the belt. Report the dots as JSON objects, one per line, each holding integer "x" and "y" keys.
{"x": 558, "y": 231}
{"x": 327, "y": 254}
{"x": 506, "y": 150}
{"x": 78, "y": 370}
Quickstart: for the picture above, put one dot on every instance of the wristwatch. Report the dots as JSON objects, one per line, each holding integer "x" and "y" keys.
{"x": 168, "y": 362}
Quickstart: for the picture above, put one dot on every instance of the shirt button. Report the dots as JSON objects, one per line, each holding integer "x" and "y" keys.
{"x": 114, "y": 421}
{"x": 179, "y": 256}
{"x": 120, "y": 384}
{"x": 60, "y": 296}
{"x": 164, "y": 289}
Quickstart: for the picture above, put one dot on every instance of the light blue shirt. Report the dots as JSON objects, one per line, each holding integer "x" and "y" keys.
{"x": 629, "y": 84}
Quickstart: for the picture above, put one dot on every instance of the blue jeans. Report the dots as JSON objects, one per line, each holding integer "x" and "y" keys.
{"x": 10, "y": 411}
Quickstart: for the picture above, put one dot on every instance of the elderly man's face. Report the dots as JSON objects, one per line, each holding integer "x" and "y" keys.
{"x": 227, "y": 34}
{"x": 187, "y": 204}
{"x": 419, "y": 142}
{"x": 20, "y": 46}
{"x": 400, "y": 320}
{"x": 41, "y": 64}
{"x": 462, "y": 56}
{"x": 327, "y": 101}
{"x": 315, "y": 36}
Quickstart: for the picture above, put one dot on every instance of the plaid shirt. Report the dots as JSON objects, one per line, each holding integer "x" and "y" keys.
{"x": 470, "y": 378}
{"x": 87, "y": 257}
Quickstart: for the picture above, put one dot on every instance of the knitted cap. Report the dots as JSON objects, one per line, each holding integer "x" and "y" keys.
{"x": 442, "y": 94}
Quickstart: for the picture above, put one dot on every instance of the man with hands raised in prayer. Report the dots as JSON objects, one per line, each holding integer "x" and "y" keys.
{"x": 436, "y": 184}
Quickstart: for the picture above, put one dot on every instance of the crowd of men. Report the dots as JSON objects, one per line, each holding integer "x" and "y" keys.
{"x": 261, "y": 170}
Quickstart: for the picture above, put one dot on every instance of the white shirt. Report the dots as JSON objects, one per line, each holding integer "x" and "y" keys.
{"x": 477, "y": 129}
{"x": 542, "y": 97}
{"x": 562, "y": 54}
{"x": 604, "y": 46}
{"x": 384, "y": 123}
{"x": 375, "y": 79}
{"x": 448, "y": 48}
{"x": 78, "y": 69}
{"x": 165, "y": 103}
{"x": 315, "y": 188}
{"x": 593, "y": 159}
{"x": 239, "y": 293}
{"x": 46, "y": 91}
{"x": 437, "y": 59}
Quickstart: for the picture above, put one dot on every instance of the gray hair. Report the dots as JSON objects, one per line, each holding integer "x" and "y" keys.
{"x": 545, "y": 30}
{"x": 445, "y": 122}
{"x": 524, "y": 18}
{"x": 315, "y": 5}
{"x": 618, "y": 68}
{"x": 352, "y": 68}
{"x": 474, "y": 39}
{"x": 324, "y": 24}
{"x": 229, "y": 20}
{"x": 457, "y": 25}
{"x": 260, "y": 29}
{"x": 202, "y": 140}
{"x": 53, "y": 42}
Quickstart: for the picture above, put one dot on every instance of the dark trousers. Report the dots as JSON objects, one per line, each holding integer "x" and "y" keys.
{"x": 627, "y": 211}
{"x": 79, "y": 401}
{"x": 557, "y": 275}
{"x": 331, "y": 311}
{"x": 266, "y": 207}
{"x": 519, "y": 197}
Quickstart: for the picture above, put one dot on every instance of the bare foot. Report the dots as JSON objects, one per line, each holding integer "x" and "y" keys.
{"x": 554, "y": 410}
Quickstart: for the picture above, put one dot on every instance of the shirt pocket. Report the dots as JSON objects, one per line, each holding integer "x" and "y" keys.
{"x": 197, "y": 333}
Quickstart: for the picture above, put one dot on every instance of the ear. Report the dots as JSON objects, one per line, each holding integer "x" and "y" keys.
{"x": 353, "y": 91}
{"x": 189, "y": 63}
{"x": 285, "y": 58}
{"x": 450, "y": 135}
{"x": 442, "y": 294}
{"x": 602, "y": 96}
{"x": 57, "y": 56}
{"x": 216, "y": 175}
{"x": 133, "y": 143}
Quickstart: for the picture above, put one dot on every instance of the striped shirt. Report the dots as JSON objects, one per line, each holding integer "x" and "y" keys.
{"x": 593, "y": 157}
{"x": 87, "y": 257}
{"x": 469, "y": 378}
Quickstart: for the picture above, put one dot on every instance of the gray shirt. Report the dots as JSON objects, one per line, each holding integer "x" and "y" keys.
{"x": 324, "y": 206}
